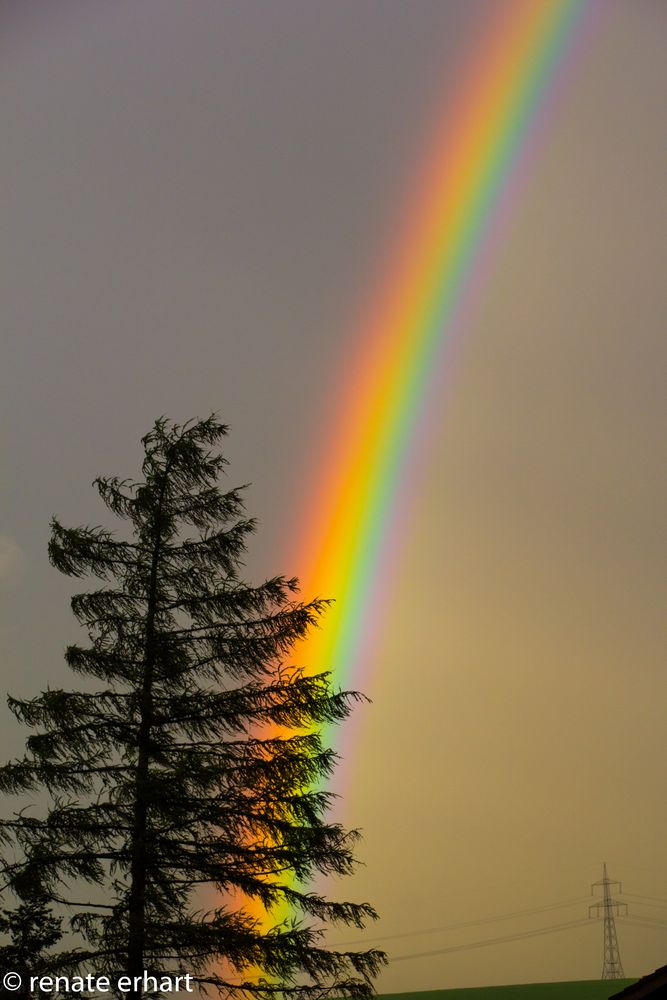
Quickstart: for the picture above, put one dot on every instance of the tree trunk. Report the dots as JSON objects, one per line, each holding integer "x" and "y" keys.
{"x": 137, "y": 896}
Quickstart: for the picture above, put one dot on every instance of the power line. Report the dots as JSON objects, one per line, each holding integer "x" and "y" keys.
{"x": 463, "y": 923}
{"x": 656, "y": 901}
{"x": 612, "y": 965}
{"x": 489, "y": 941}
{"x": 641, "y": 921}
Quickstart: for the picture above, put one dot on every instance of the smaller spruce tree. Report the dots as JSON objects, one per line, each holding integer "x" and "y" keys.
{"x": 31, "y": 927}
{"x": 169, "y": 778}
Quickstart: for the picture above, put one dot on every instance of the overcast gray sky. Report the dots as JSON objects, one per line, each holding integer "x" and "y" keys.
{"x": 195, "y": 199}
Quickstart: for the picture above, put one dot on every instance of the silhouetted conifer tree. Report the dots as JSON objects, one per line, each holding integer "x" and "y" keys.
{"x": 161, "y": 782}
{"x": 31, "y": 929}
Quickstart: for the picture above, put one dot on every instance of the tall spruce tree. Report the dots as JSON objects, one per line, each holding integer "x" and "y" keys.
{"x": 169, "y": 779}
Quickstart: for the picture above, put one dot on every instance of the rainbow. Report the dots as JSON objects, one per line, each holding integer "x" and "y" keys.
{"x": 463, "y": 192}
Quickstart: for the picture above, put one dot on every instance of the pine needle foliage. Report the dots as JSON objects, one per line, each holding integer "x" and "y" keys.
{"x": 164, "y": 788}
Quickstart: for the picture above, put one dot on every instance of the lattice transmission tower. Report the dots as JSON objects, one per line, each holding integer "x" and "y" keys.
{"x": 611, "y": 965}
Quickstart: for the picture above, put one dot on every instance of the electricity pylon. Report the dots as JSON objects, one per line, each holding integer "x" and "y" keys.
{"x": 611, "y": 965}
